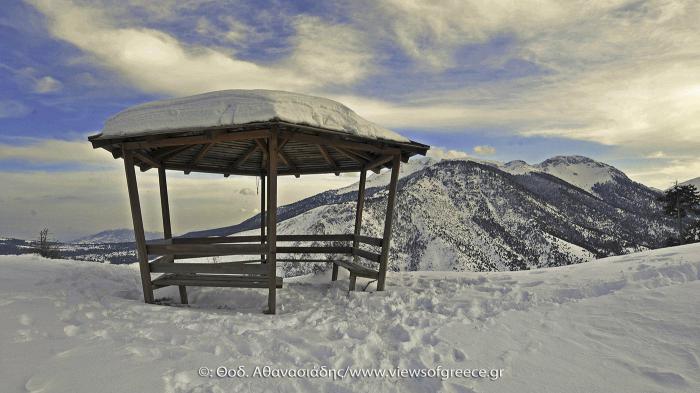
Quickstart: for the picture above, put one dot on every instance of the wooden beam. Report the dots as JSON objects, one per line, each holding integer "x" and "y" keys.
{"x": 391, "y": 202}
{"x": 362, "y": 158}
{"x": 213, "y": 137}
{"x": 358, "y": 213}
{"x": 167, "y": 229}
{"x": 272, "y": 222}
{"x": 263, "y": 147}
{"x": 348, "y": 155}
{"x": 164, "y": 204}
{"x": 263, "y": 222}
{"x": 169, "y": 152}
{"x": 379, "y": 162}
{"x": 243, "y": 157}
{"x": 146, "y": 159}
{"x": 137, "y": 219}
{"x": 329, "y": 159}
{"x": 288, "y": 162}
{"x": 202, "y": 152}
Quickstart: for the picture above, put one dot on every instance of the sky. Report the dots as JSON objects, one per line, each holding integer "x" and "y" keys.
{"x": 615, "y": 80}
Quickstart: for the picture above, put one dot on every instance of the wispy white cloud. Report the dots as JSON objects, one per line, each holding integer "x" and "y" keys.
{"x": 47, "y": 84}
{"x": 12, "y": 108}
{"x": 484, "y": 150}
{"x": 156, "y": 61}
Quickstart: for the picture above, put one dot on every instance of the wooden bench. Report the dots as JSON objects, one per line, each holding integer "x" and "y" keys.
{"x": 356, "y": 270}
{"x": 214, "y": 280}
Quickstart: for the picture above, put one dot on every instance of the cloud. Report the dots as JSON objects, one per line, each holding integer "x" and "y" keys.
{"x": 442, "y": 153}
{"x": 47, "y": 84}
{"x": 156, "y": 61}
{"x": 484, "y": 150}
{"x": 12, "y": 108}
{"x": 55, "y": 151}
{"x": 656, "y": 154}
{"x": 247, "y": 191}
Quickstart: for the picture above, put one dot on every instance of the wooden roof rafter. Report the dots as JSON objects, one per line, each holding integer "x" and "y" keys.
{"x": 243, "y": 157}
{"x": 326, "y": 155}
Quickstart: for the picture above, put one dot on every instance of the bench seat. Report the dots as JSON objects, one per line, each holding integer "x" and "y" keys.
{"x": 214, "y": 280}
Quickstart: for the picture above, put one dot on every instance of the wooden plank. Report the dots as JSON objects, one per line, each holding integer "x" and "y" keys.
{"x": 196, "y": 140}
{"x": 164, "y": 259}
{"x": 371, "y": 256}
{"x": 311, "y": 238}
{"x": 216, "y": 268}
{"x": 374, "y": 241}
{"x": 253, "y": 238}
{"x": 205, "y": 249}
{"x": 391, "y": 202}
{"x": 214, "y": 239}
{"x": 272, "y": 221}
{"x": 314, "y": 250}
{"x": 358, "y": 214}
{"x": 137, "y": 219}
{"x": 357, "y": 269}
{"x": 201, "y": 280}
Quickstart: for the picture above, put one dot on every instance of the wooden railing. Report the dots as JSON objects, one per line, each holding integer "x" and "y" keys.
{"x": 183, "y": 248}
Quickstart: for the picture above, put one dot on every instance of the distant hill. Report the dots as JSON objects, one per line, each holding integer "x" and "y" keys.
{"x": 695, "y": 182}
{"x": 115, "y": 236}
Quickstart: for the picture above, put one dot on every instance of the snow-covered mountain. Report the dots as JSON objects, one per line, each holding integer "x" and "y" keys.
{"x": 114, "y": 236}
{"x": 467, "y": 215}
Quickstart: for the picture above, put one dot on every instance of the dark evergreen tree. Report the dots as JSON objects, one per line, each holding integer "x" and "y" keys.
{"x": 680, "y": 201}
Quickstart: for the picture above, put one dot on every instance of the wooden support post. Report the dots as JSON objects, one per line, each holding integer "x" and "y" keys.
{"x": 272, "y": 221}
{"x": 138, "y": 225}
{"x": 165, "y": 211}
{"x": 263, "y": 214}
{"x": 164, "y": 204}
{"x": 353, "y": 281}
{"x": 391, "y": 202}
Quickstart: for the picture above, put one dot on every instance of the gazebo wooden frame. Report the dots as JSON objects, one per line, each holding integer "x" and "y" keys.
{"x": 266, "y": 150}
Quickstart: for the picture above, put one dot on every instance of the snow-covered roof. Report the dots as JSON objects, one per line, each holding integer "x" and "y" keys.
{"x": 236, "y": 107}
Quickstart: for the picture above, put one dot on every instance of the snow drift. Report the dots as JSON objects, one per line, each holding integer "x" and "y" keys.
{"x": 620, "y": 324}
{"x": 232, "y": 107}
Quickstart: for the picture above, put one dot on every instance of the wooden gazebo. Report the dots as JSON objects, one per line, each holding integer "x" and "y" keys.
{"x": 178, "y": 135}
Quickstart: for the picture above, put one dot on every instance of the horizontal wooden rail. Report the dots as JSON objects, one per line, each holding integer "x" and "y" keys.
{"x": 373, "y": 241}
{"x": 204, "y": 250}
{"x": 217, "y": 239}
{"x": 311, "y": 238}
{"x": 371, "y": 256}
{"x": 314, "y": 250}
{"x": 216, "y": 268}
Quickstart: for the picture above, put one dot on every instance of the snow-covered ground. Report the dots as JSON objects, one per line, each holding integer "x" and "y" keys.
{"x": 623, "y": 324}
